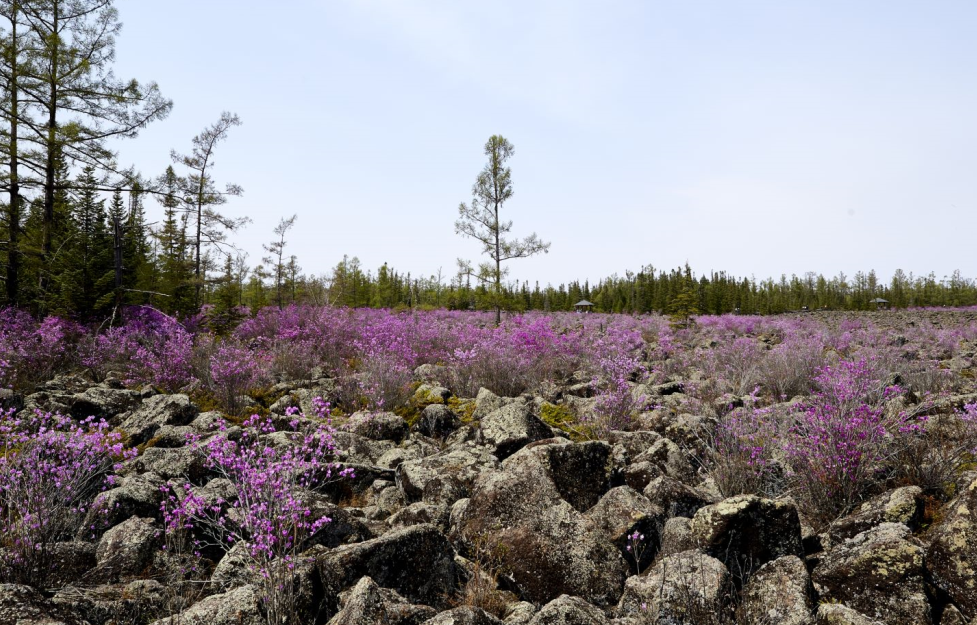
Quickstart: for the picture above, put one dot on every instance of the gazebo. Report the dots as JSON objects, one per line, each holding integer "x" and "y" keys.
{"x": 584, "y": 306}
{"x": 880, "y": 304}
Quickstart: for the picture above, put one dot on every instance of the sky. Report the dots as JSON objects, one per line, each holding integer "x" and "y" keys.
{"x": 754, "y": 137}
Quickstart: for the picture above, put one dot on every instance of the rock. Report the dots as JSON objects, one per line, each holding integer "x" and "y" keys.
{"x": 951, "y": 559}
{"x": 430, "y": 394}
{"x": 548, "y": 546}
{"x": 510, "y": 428}
{"x": 639, "y": 474}
{"x": 620, "y": 514}
{"x": 356, "y": 448}
{"x": 677, "y": 536}
{"x": 128, "y": 548}
{"x": 464, "y": 615}
{"x": 418, "y": 562}
{"x": 747, "y": 531}
{"x": 23, "y": 605}
{"x": 241, "y": 606}
{"x": 902, "y": 505}
{"x": 519, "y": 613}
{"x": 879, "y": 573}
{"x": 674, "y": 462}
{"x": 445, "y": 477}
{"x": 378, "y": 426}
{"x": 952, "y": 616}
{"x": 486, "y": 401}
{"x": 103, "y": 403}
{"x": 581, "y": 472}
{"x": 779, "y": 592}
{"x": 420, "y": 513}
{"x": 437, "y": 421}
{"x": 687, "y": 588}
{"x": 184, "y": 463}
{"x": 367, "y": 604}
{"x": 567, "y": 610}
{"x": 430, "y": 372}
{"x": 172, "y": 436}
{"x": 674, "y": 497}
{"x": 11, "y": 400}
{"x": 136, "y": 495}
{"x": 155, "y": 412}
{"x": 838, "y": 614}
{"x": 234, "y": 569}
{"x": 69, "y": 562}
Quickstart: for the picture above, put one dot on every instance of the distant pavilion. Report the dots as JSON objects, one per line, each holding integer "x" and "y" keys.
{"x": 584, "y": 306}
{"x": 880, "y": 304}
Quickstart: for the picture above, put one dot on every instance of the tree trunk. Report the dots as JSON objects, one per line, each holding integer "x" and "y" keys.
{"x": 47, "y": 219}
{"x": 13, "y": 244}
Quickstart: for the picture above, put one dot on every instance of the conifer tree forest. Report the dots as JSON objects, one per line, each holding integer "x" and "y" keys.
{"x": 75, "y": 238}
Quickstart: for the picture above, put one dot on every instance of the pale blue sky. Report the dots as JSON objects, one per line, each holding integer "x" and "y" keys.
{"x": 756, "y": 137}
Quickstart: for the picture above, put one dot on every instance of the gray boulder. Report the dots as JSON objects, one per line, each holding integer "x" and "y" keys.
{"x": 464, "y": 615}
{"x": 674, "y": 497}
{"x": 951, "y": 559}
{"x": 136, "y": 495}
{"x": 23, "y": 605}
{"x": 838, "y": 614}
{"x": 445, "y": 477}
{"x": 437, "y": 421}
{"x": 902, "y": 505}
{"x": 366, "y": 603}
{"x": 241, "y": 606}
{"x": 142, "y": 423}
{"x": 379, "y": 426}
{"x": 567, "y": 610}
{"x": 128, "y": 548}
{"x": 747, "y": 531}
{"x": 687, "y": 588}
{"x": 418, "y": 562}
{"x": 548, "y": 545}
{"x": 510, "y": 428}
{"x": 623, "y": 512}
{"x": 879, "y": 573}
{"x": 779, "y": 592}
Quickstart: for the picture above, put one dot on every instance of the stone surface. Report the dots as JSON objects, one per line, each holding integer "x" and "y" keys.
{"x": 143, "y": 422}
{"x": 747, "y": 531}
{"x": 445, "y": 477}
{"x": 241, "y": 606}
{"x": 418, "y": 562}
{"x": 548, "y": 546}
{"x": 674, "y": 497}
{"x": 23, "y": 605}
{"x": 463, "y": 616}
{"x": 684, "y": 589}
{"x": 879, "y": 573}
{"x": 951, "y": 559}
{"x": 567, "y": 610}
{"x": 838, "y": 614}
{"x": 366, "y": 603}
{"x": 380, "y": 426}
{"x": 779, "y": 592}
{"x": 902, "y": 505}
{"x": 510, "y": 428}
{"x": 128, "y": 548}
{"x": 623, "y": 512}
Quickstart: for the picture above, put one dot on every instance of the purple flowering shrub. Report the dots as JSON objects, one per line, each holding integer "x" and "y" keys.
{"x": 742, "y": 457}
{"x": 233, "y": 371}
{"x": 274, "y": 474}
{"x": 151, "y": 348}
{"x": 51, "y": 471}
{"x": 843, "y": 441}
{"x": 32, "y": 352}
{"x": 617, "y": 366}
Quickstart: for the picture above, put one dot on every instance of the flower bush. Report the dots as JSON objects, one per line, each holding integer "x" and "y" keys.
{"x": 51, "y": 470}
{"x": 272, "y": 512}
